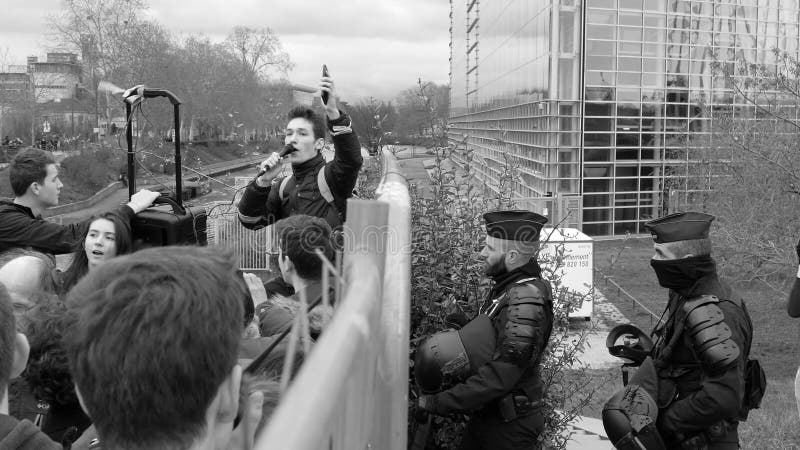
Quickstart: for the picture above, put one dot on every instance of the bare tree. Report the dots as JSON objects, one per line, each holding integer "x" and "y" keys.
{"x": 259, "y": 51}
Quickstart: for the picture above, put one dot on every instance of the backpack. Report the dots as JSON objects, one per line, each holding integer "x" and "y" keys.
{"x": 324, "y": 190}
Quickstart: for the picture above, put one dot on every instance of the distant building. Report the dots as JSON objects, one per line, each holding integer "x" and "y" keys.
{"x": 58, "y": 77}
{"x": 46, "y": 97}
{"x": 594, "y": 98}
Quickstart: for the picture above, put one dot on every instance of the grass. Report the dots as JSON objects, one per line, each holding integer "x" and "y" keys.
{"x": 775, "y": 336}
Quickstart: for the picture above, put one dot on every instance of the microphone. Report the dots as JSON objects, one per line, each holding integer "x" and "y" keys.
{"x": 284, "y": 151}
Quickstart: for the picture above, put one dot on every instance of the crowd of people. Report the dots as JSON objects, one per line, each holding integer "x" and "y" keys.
{"x": 168, "y": 347}
{"x": 175, "y": 348}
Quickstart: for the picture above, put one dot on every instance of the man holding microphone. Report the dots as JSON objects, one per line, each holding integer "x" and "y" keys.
{"x": 316, "y": 188}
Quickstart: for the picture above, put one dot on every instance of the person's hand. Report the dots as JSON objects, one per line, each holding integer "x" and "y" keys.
{"x": 326, "y": 85}
{"x": 271, "y": 168}
{"x": 244, "y": 435}
{"x": 142, "y": 200}
{"x": 256, "y": 287}
{"x": 422, "y": 408}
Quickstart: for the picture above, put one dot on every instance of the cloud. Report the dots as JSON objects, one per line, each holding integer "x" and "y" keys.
{"x": 375, "y": 67}
{"x": 373, "y": 47}
{"x": 409, "y": 20}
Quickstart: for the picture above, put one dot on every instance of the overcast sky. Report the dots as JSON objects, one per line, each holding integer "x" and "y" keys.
{"x": 372, "y": 47}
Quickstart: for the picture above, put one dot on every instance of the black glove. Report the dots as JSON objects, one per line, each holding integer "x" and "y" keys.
{"x": 422, "y": 408}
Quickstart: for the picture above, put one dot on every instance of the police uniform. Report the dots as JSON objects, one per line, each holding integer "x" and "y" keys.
{"x": 503, "y": 396}
{"x": 700, "y": 357}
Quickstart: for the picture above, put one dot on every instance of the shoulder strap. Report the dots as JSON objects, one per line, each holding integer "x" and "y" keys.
{"x": 282, "y": 188}
{"x": 324, "y": 189}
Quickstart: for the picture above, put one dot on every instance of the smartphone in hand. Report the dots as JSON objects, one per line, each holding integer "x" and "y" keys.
{"x": 324, "y": 93}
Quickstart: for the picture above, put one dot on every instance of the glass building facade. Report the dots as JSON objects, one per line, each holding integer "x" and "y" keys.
{"x": 594, "y": 99}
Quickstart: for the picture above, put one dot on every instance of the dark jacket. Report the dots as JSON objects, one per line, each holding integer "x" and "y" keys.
{"x": 20, "y": 228}
{"x": 262, "y": 206}
{"x": 692, "y": 397}
{"x": 23, "y": 435}
{"x": 500, "y": 376}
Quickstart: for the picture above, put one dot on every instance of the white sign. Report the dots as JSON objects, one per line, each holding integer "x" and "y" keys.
{"x": 572, "y": 252}
{"x": 46, "y": 126}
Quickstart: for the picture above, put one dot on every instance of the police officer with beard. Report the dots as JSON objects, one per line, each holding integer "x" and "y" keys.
{"x": 503, "y": 396}
{"x": 696, "y": 379}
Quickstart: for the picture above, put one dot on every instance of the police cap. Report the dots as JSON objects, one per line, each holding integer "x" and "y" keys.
{"x": 521, "y": 226}
{"x": 683, "y": 226}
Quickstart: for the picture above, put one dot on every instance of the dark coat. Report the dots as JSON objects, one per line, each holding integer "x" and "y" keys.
{"x": 262, "y": 206}
{"x": 692, "y": 396}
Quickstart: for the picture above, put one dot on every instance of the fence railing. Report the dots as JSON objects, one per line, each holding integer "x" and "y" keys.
{"x": 654, "y": 318}
{"x": 352, "y": 390}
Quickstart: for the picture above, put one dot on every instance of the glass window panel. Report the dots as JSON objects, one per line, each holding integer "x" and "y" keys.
{"x": 627, "y": 185}
{"x": 627, "y": 171}
{"x": 599, "y": 93}
{"x": 567, "y": 31}
{"x": 628, "y": 109}
{"x": 597, "y": 140}
{"x": 621, "y": 214}
{"x": 631, "y": 4}
{"x": 629, "y": 79}
{"x": 597, "y": 154}
{"x": 595, "y": 229}
{"x": 627, "y": 154}
{"x": 599, "y": 124}
{"x": 651, "y": 79}
{"x": 630, "y": 33}
{"x": 628, "y": 95}
{"x": 594, "y": 47}
{"x": 630, "y": 48}
{"x": 628, "y": 140}
{"x": 600, "y": 32}
{"x": 625, "y": 227}
{"x": 655, "y": 5}
{"x": 602, "y": 78}
{"x": 604, "y": 3}
{"x": 629, "y": 63}
{"x": 599, "y": 62}
{"x": 600, "y": 16}
{"x": 632, "y": 20}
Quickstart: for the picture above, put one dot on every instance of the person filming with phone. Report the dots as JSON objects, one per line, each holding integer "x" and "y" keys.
{"x": 316, "y": 188}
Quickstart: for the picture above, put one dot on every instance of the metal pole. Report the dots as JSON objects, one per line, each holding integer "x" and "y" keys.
{"x": 129, "y": 139}
{"x": 178, "y": 178}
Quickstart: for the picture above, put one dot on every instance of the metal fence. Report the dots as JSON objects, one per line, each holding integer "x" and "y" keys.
{"x": 352, "y": 391}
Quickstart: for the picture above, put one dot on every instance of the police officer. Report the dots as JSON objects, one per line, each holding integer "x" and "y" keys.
{"x": 503, "y": 395}
{"x": 700, "y": 357}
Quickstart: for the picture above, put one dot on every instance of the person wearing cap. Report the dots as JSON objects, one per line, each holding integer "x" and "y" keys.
{"x": 503, "y": 395}
{"x": 701, "y": 351}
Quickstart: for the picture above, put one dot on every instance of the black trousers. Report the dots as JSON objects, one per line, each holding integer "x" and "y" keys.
{"x": 491, "y": 433}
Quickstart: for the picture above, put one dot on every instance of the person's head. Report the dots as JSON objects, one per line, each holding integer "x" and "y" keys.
{"x": 680, "y": 235}
{"x": 34, "y": 175}
{"x": 305, "y": 132}
{"x": 47, "y": 372}
{"x": 152, "y": 346}
{"x": 108, "y": 235}
{"x": 28, "y": 278}
{"x": 299, "y": 238}
{"x": 13, "y": 346}
{"x": 682, "y": 249}
{"x": 512, "y": 240}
